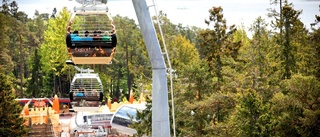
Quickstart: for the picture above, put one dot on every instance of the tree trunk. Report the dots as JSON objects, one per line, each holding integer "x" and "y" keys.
{"x": 218, "y": 72}
{"x": 21, "y": 65}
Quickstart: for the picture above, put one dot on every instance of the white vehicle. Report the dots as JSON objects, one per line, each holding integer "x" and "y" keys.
{"x": 95, "y": 122}
{"x": 122, "y": 118}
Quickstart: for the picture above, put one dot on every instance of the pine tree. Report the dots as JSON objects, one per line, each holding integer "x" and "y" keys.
{"x": 252, "y": 115}
{"x": 130, "y": 56}
{"x": 314, "y": 39}
{"x": 260, "y": 61}
{"x": 6, "y": 63}
{"x": 35, "y": 83}
{"x": 292, "y": 32}
{"x": 305, "y": 91}
{"x": 216, "y": 44}
{"x": 11, "y": 123}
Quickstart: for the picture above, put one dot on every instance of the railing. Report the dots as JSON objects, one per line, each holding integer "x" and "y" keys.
{"x": 83, "y": 103}
{"x": 91, "y": 22}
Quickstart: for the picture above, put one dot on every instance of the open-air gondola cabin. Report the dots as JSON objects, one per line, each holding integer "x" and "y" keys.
{"x": 86, "y": 92}
{"x": 91, "y": 37}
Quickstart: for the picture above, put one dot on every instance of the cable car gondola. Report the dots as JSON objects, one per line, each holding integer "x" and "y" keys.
{"x": 86, "y": 92}
{"x": 91, "y": 35}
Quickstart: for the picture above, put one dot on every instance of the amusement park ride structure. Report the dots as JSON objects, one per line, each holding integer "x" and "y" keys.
{"x": 91, "y": 39}
{"x": 86, "y": 91}
{"x": 84, "y": 48}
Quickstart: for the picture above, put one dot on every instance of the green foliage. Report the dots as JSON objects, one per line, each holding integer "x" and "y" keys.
{"x": 217, "y": 43}
{"x": 314, "y": 40}
{"x": 53, "y": 50}
{"x": 297, "y": 111}
{"x": 290, "y": 27}
{"x": 6, "y": 60}
{"x": 259, "y": 64}
{"x": 11, "y": 123}
{"x": 191, "y": 94}
{"x": 306, "y": 90}
{"x": 15, "y": 44}
{"x": 37, "y": 28}
{"x": 36, "y": 81}
{"x": 219, "y": 107}
{"x": 310, "y": 123}
{"x": 168, "y": 28}
{"x": 130, "y": 65}
{"x": 252, "y": 115}
{"x": 9, "y": 7}
{"x": 285, "y": 111}
{"x": 182, "y": 53}
{"x": 190, "y": 32}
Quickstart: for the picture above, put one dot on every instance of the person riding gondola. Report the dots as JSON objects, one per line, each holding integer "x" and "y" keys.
{"x": 68, "y": 40}
{"x": 75, "y": 36}
{"x": 80, "y": 94}
{"x": 97, "y": 35}
{"x": 106, "y": 36}
{"x": 72, "y": 37}
{"x": 114, "y": 38}
{"x": 86, "y": 36}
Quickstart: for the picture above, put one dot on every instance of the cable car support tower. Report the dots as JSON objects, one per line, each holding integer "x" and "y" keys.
{"x": 160, "y": 104}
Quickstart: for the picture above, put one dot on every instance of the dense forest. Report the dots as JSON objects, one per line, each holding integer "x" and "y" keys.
{"x": 226, "y": 83}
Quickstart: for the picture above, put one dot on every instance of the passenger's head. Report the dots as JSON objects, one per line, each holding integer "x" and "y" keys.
{"x": 107, "y": 33}
{"x": 86, "y": 33}
{"x": 76, "y": 32}
{"x": 95, "y": 33}
{"x": 99, "y": 32}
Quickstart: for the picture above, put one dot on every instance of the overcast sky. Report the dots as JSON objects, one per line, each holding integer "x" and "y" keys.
{"x": 187, "y": 12}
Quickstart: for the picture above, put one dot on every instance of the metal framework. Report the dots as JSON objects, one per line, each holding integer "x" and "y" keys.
{"x": 91, "y": 36}
{"x": 160, "y": 104}
{"x": 92, "y": 88}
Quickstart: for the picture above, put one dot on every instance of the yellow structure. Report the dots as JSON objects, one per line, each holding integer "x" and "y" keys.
{"x": 45, "y": 121}
{"x": 42, "y": 120}
{"x": 114, "y": 106}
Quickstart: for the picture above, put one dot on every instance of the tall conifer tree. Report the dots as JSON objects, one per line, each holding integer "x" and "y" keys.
{"x": 11, "y": 123}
